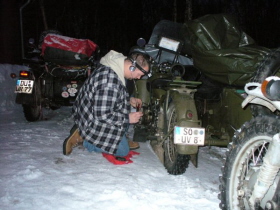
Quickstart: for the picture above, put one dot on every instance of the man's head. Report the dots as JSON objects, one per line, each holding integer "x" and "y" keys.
{"x": 136, "y": 65}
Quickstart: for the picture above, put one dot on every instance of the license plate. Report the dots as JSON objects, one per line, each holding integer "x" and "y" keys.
{"x": 24, "y": 86}
{"x": 189, "y": 136}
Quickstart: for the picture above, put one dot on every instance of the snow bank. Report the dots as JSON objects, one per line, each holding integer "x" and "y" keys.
{"x": 36, "y": 175}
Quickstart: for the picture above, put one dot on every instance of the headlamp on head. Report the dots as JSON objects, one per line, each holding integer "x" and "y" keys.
{"x": 140, "y": 50}
{"x": 145, "y": 72}
{"x": 136, "y": 65}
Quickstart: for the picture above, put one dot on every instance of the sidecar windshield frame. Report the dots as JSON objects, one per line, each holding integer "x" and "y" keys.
{"x": 167, "y": 32}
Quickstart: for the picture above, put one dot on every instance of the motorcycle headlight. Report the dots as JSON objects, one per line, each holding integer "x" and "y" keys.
{"x": 178, "y": 70}
{"x": 271, "y": 88}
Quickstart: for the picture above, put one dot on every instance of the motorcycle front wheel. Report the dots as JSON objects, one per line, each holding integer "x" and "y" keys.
{"x": 174, "y": 162}
{"x": 243, "y": 162}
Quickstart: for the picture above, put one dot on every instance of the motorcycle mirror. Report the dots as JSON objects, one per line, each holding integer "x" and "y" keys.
{"x": 31, "y": 41}
{"x": 141, "y": 42}
{"x": 13, "y": 75}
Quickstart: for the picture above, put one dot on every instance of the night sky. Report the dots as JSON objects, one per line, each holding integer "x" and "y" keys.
{"x": 117, "y": 24}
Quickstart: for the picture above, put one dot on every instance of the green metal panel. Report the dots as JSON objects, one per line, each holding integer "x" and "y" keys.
{"x": 235, "y": 114}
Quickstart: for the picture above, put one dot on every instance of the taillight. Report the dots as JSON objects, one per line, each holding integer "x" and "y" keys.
{"x": 25, "y": 74}
{"x": 189, "y": 114}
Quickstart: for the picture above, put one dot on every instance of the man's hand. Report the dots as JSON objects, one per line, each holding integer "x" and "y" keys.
{"x": 136, "y": 102}
{"x": 134, "y": 117}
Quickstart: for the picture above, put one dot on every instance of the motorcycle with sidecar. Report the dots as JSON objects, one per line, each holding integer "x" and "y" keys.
{"x": 57, "y": 68}
{"x": 193, "y": 97}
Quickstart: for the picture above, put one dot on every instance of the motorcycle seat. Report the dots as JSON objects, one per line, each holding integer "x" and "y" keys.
{"x": 159, "y": 83}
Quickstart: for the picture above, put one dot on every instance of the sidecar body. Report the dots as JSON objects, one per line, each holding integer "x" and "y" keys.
{"x": 222, "y": 50}
{"x": 217, "y": 59}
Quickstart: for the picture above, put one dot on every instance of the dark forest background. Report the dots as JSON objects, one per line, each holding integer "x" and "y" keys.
{"x": 117, "y": 24}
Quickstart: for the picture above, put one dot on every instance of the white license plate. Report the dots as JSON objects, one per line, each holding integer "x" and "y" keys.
{"x": 24, "y": 86}
{"x": 189, "y": 136}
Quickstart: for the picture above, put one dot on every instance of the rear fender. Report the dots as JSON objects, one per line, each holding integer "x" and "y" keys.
{"x": 185, "y": 106}
{"x": 33, "y": 99}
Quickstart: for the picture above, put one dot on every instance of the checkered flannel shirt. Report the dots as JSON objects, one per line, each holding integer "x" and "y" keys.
{"x": 101, "y": 109}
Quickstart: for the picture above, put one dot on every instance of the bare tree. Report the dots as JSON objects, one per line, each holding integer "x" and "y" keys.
{"x": 9, "y": 32}
{"x": 43, "y": 14}
{"x": 188, "y": 11}
{"x": 175, "y": 11}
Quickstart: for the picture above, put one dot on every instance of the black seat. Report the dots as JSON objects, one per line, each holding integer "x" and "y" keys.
{"x": 158, "y": 83}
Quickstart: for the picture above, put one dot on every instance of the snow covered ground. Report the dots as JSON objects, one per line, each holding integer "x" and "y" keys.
{"x": 34, "y": 174}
